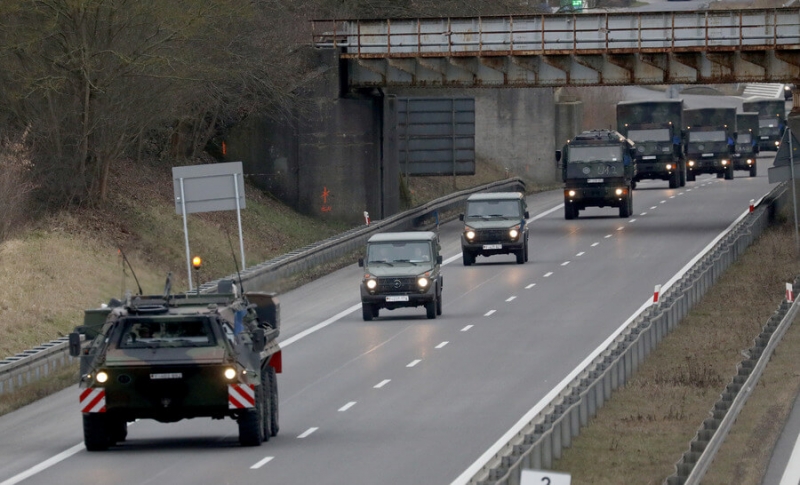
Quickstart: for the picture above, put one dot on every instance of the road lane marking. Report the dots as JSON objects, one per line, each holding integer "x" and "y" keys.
{"x": 44, "y": 465}
{"x": 307, "y": 433}
{"x": 565, "y": 263}
{"x": 347, "y": 406}
{"x": 442, "y": 344}
{"x": 414, "y": 362}
{"x": 643, "y": 214}
{"x": 382, "y": 383}
{"x": 547, "y": 275}
{"x": 466, "y": 328}
{"x": 512, "y": 298}
{"x": 632, "y": 220}
{"x": 489, "y": 313}
{"x": 530, "y": 286}
{"x": 663, "y": 202}
{"x": 608, "y": 236}
{"x": 595, "y": 244}
{"x": 671, "y": 196}
{"x": 262, "y": 463}
{"x": 620, "y": 228}
{"x": 579, "y": 254}
{"x": 653, "y": 208}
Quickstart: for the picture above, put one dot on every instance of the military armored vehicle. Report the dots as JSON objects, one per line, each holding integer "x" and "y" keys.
{"x": 655, "y": 127}
{"x": 171, "y": 357}
{"x": 746, "y": 143}
{"x": 598, "y": 171}
{"x": 711, "y": 134}
{"x": 771, "y": 121}
{"x": 401, "y": 269}
{"x": 495, "y": 223}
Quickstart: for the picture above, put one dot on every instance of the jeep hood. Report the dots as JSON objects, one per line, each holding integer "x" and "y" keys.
{"x": 404, "y": 271}
{"x": 477, "y": 223}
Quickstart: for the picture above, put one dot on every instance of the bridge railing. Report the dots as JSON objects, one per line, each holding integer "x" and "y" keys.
{"x": 708, "y": 31}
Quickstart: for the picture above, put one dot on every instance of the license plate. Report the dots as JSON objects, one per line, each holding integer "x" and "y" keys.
{"x": 708, "y": 154}
{"x": 595, "y": 181}
{"x": 649, "y": 157}
{"x": 171, "y": 375}
{"x": 492, "y": 246}
{"x": 765, "y": 138}
{"x": 397, "y": 298}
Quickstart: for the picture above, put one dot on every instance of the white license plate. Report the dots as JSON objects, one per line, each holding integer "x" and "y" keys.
{"x": 397, "y": 298}
{"x": 492, "y": 246}
{"x": 171, "y": 375}
{"x": 649, "y": 157}
{"x": 765, "y": 138}
{"x": 708, "y": 154}
{"x": 595, "y": 181}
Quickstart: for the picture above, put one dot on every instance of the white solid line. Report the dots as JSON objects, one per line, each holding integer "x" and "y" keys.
{"x": 595, "y": 244}
{"x": 262, "y": 463}
{"x": 512, "y": 298}
{"x": 565, "y": 263}
{"x": 382, "y": 383}
{"x": 308, "y": 432}
{"x": 44, "y": 465}
{"x": 442, "y": 344}
{"x": 791, "y": 475}
{"x": 414, "y": 362}
{"x": 347, "y": 406}
{"x": 464, "y": 478}
{"x": 530, "y": 286}
{"x": 467, "y": 328}
{"x": 547, "y": 275}
{"x": 579, "y": 254}
{"x": 489, "y": 313}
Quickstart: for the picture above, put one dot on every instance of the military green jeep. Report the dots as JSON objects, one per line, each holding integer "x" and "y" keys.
{"x": 401, "y": 269}
{"x": 495, "y": 223}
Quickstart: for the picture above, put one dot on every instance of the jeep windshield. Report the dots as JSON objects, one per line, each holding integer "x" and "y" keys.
{"x": 150, "y": 333}
{"x": 490, "y": 209}
{"x": 399, "y": 252}
{"x": 578, "y": 154}
{"x": 707, "y": 136}
{"x": 640, "y": 136}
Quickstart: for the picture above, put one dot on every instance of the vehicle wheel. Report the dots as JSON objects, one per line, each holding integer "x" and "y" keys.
{"x": 720, "y": 175}
{"x": 690, "y": 177}
{"x": 633, "y": 184}
{"x": 430, "y": 309}
{"x": 267, "y": 410}
{"x": 626, "y": 208}
{"x": 683, "y": 175}
{"x": 520, "y": 254}
{"x": 526, "y": 250}
{"x": 118, "y": 430}
{"x": 251, "y": 423}
{"x": 274, "y": 403}
{"x": 753, "y": 170}
{"x": 675, "y": 180}
{"x": 468, "y": 257}
{"x": 439, "y": 303}
{"x": 729, "y": 173}
{"x": 375, "y": 311}
{"x": 570, "y": 212}
{"x": 366, "y": 311}
{"x": 95, "y": 432}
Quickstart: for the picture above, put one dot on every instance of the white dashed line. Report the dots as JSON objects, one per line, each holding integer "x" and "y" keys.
{"x": 671, "y": 196}
{"x": 620, "y": 228}
{"x": 595, "y": 244}
{"x": 688, "y": 190}
{"x": 489, "y": 313}
{"x": 643, "y": 214}
{"x": 347, "y": 406}
{"x": 547, "y": 275}
{"x": 608, "y": 236}
{"x": 579, "y": 254}
{"x": 466, "y": 328}
{"x": 632, "y": 220}
{"x": 565, "y": 263}
{"x": 663, "y": 202}
{"x": 262, "y": 463}
{"x": 511, "y": 298}
{"x": 414, "y": 362}
{"x": 382, "y": 383}
{"x": 307, "y": 433}
{"x": 442, "y": 344}
{"x": 680, "y": 193}
{"x": 653, "y": 208}
{"x": 530, "y": 286}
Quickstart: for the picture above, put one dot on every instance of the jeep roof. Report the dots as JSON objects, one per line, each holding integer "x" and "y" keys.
{"x": 403, "y": 236}
{"x": 496, "y": 196}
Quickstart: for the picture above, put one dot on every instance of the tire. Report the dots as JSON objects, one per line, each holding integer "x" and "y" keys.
{"x": 633, "y": 184}
{"x": 753, "y": 170}
{"x": 95, "y": 432}
{"x": 526, "y": 249}
{"x": 520, "y": 254}
{"x": 468, "y": 257}
{"x": 690, "y": 177}
{"x": 729, "y": 173}
{"x": 366, "y": 311}
{"x": 274, "y": 413}
{"x": 118, "y": 430}
{"x": 375, "y": 311}
{"x": 720, "y": 175}
{"x": 626, "y": 208}
{"x": 269, "y": 384}
{"x": 675, "y": 180}
{"x": 682, "y": 169}
{"x": 251, "y": 424}
{"x": 439, "y": 303}
{"x": 430, "y": 309}
{"x": 570, "y": 212}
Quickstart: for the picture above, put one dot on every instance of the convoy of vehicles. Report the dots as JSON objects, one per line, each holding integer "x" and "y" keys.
{"x": 598, "y": 171}
{"x": 710, "y": 139}
{"x": 746, "y": 151}
{"x": 655, "y": 127}
{"x": 771, "y": 121}
{"x": 495, "y": 223}
{"x": 172, "y": 357}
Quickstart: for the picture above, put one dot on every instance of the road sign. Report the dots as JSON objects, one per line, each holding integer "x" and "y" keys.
{"x": 781, "y": 169}
{"x": 544, "y": 477}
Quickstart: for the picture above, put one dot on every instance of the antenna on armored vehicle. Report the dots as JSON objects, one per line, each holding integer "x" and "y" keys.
{"x": 236, "y": 264}
{"x": 124, "y": 262}
{"x": 168, "y": 286}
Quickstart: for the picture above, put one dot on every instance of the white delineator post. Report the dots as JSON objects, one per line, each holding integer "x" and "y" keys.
{"x": 789, "y": 293}
{"x": 655, "y": 293}
{"x": 366, "y": 217}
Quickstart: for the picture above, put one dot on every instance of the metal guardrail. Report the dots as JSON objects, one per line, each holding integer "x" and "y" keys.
{"x": 542, "y": 440}
{"x": 31, "y": 365}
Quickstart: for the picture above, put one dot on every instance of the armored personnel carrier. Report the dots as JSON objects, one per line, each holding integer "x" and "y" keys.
{"x": 171, "y": 357}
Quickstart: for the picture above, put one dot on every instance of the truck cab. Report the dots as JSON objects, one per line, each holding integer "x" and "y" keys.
{"x": 745, "y": 157}
{"x": 711, "y": 135}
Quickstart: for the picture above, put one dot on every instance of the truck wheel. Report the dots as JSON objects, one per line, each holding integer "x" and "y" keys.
{"x": 274, "y": 403}
{"x": 95, "y": 434}
{"x": 265, "y": 391}
{"x": 683, "y": 175}
{"x": 674, "y": 180}
{"x": 366, "y": 311}
{"x": 570, "y": 212}
{"x": 526, "y": 249}
{"x": 690, "y": 177}
{"x": 633, "y": 184}
{"x": 729, "y": 173}
{"x": 753, "y": 170}
{"x": 626, "y": 208}
{"x": 251, "y": 425}
{"x": 118, "y": 430}
{"x": 720, "y": 175}
{"x": 439, "y": 303}
{"x": 468, "y": 257}
{"x": 430, "y": 309}
{"x": 375, "y": 311}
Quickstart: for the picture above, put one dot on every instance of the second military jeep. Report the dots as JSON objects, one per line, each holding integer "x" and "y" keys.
{"x": 495, "y": 224}
{"x": 402, "y": 269}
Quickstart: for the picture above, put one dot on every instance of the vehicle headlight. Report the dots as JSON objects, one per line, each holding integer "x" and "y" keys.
{"x": 749, "y": 161}
{"x": 571, "y": 193}
{"x": 372, "y": 284}
{"x": 422, "y": 281}
{"x": 669, "y": 166}
{"x": 514, "y": 232}
{"x": 230, "y": 373}
{"x": 777, "y": 143}
{"x": 691, "y": 163}
{"x": 619, "y": 191}
{"x": 101, "y": 377}
{"x": 724, "y": 162}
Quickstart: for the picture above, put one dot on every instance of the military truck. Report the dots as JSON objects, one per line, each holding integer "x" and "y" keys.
{"x": 655, "y": 127}
{"x": 746, "y": 143}
{"x": 598, "y": 171}
{"x": 771, "y": 121}
{"x": 495, "y": 223}
{"x": 711, "y": 134}
{"x": 179, "y": 356}
{"x": 401, "y": 269}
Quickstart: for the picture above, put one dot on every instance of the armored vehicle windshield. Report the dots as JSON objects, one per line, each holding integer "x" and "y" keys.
{"x": 660, "y": 134}
{"x": 595, "y": 153}
{"x": 146, "y": 333}
{"x": 707, "y": 136}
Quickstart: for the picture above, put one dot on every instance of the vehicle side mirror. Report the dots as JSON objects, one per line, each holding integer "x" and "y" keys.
{"x": 259, "y": 340}
{"x": 558, "y": 156}
{"x": 360, "y": 262}
{"x": 461, "y": 217}
{"x": 527, "y": 215}
{"x": 439, "y": 259}
{"x": 74, "y": 344}
{"x": 735, "y": 135}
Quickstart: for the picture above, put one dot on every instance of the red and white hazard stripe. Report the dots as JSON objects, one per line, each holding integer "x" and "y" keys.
{"x": 241, "y": 396}
{"x": 93, "y": 400}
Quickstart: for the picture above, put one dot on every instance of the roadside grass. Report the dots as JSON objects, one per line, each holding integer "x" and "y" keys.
{"x": 641, "y": 433}
{"x": 62, "y": 378}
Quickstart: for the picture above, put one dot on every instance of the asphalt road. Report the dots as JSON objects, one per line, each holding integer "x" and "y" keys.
{"x": 403, "y": 399}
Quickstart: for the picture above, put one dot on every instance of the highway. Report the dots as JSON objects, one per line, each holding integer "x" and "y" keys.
{"x": 403, "y": 399}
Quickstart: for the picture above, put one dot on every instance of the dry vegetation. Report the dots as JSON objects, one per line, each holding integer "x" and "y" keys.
{"x": 639, "y": 435}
